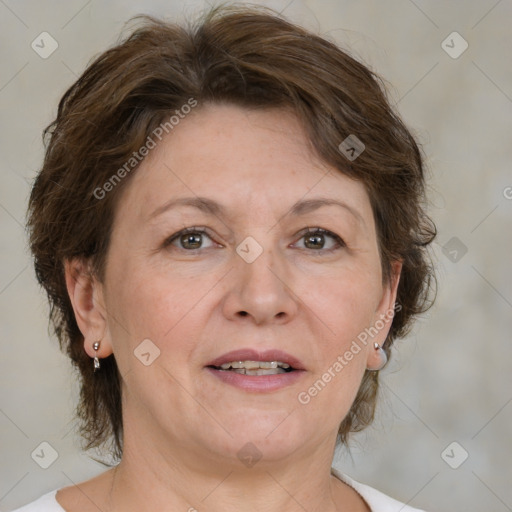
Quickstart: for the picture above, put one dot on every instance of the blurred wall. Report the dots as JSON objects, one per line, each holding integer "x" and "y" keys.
{"x": 441, "y": 440}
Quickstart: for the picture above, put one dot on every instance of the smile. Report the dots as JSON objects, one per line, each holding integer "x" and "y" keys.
{"x": 255, "y": 367}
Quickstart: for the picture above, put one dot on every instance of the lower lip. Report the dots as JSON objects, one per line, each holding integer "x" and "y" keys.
{"x": 258, "y": 383}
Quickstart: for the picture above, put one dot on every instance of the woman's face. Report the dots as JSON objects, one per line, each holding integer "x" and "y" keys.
{"x": 248, "y": 276}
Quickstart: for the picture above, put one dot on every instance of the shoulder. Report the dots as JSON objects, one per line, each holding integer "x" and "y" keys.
{"x": 83, "y": 496}
{"x": 46, "y": 503}
{"x": 376, "y": 500}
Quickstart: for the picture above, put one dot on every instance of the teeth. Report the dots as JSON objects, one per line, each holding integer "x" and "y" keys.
{"x": 259, "y": 371}
{"x": 254, "y": 365}
{"x": 265, "y": 364}
{"x": 234, "y": 364}
{"x": 250, "y": 365}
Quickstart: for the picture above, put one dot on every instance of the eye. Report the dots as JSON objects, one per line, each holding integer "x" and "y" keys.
{"x": 189, "y": 239}
{"x": 314, "y": 239}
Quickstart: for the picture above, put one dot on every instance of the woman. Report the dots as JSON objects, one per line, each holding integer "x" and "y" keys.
{"x": 230, "y": 227}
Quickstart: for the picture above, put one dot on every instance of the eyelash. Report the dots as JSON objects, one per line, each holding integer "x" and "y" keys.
{"x": 309, "y": 231}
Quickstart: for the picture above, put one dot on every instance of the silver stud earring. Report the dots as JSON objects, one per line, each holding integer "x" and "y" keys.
{"x": 382, "y": 355}
{"x": 96, "y": 346}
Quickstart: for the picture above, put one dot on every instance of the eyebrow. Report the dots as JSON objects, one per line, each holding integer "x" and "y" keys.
{"x": 212, "y": 207}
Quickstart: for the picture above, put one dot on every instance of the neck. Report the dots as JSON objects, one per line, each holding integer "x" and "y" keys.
{"x": 269, "y": 491}
{"x": 152, "y": 478}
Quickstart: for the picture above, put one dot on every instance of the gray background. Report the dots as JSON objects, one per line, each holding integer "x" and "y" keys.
{"x": 450, "y": 380}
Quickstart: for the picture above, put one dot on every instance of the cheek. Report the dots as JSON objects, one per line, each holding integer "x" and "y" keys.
{"x": 332, "y": 388}
{"x": 344, "y": 304}
{"x": 345, "y": 307}
{"x": 150, "y": 304}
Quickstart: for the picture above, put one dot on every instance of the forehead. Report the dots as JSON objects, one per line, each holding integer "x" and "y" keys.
{"x": 245, "y": 160}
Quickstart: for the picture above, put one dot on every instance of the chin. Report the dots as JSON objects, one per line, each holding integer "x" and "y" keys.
{"x": 271, "y": 437}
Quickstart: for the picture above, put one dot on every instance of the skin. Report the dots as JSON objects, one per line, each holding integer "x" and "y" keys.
{"x": 183, "y": 426}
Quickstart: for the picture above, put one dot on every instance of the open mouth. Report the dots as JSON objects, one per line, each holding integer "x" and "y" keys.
{"x": 255, "y": 367}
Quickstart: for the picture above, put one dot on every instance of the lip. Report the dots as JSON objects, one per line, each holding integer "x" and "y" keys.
{"x": 255, "y": 355}
{"x": 257, "y": 383}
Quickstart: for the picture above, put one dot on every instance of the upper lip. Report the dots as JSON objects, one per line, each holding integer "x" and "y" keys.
{"x": 255, "y": 355}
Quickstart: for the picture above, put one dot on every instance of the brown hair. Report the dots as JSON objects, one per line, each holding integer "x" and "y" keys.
{"x": 247, "y": 56}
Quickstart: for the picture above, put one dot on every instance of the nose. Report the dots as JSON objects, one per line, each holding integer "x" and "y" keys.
{"x": 261, "y": 291}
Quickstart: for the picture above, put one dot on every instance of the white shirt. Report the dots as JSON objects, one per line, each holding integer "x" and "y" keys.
{"x": 376, "y": 500}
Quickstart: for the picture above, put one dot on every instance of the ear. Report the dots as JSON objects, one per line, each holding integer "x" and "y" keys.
{"x": 383, "y": 317}
{"x": 87, "y": 299}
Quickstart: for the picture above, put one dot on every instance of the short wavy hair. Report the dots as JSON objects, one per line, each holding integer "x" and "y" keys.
{"x": 251, "y": 57}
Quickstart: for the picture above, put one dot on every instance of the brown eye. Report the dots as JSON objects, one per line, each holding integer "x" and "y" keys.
{"x": 188, "y": 239}
{"x": 191, "y": 240}
{"x": 315, "y": 239}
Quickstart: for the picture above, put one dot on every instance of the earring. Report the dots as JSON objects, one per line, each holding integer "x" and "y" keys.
{"x": 382, "y": 355}
{"x": 96, "y": 346}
